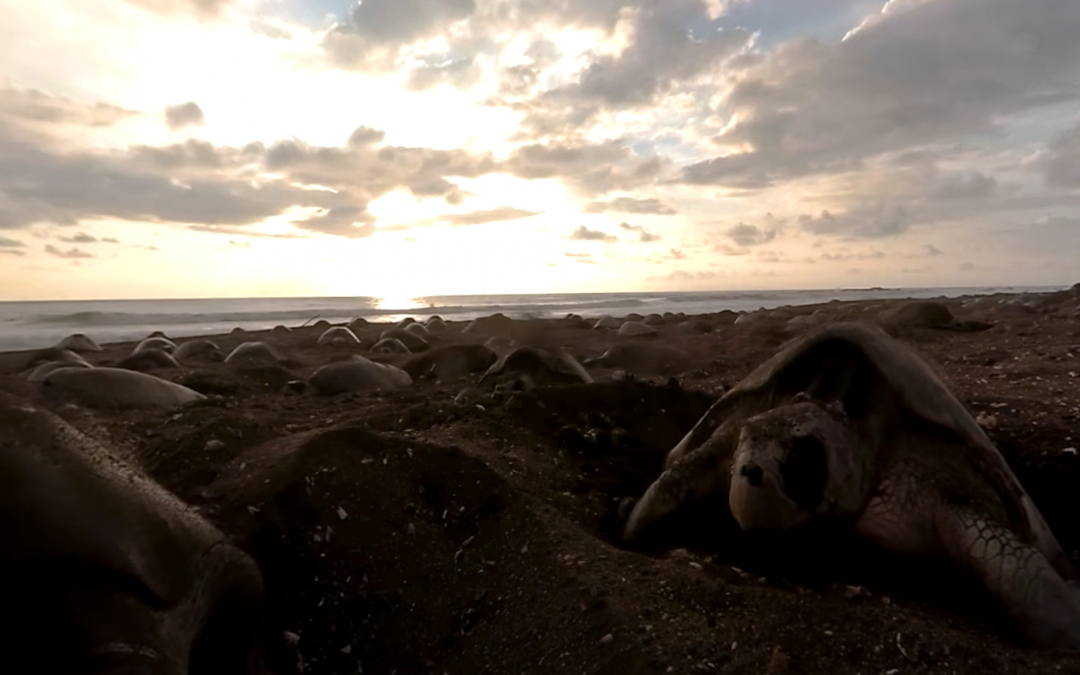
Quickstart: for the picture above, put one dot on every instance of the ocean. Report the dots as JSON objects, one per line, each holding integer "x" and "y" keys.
{"x": 39, "y": 324}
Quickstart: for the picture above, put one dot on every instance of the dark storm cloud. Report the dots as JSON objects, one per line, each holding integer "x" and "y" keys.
{"x": 184, "y": 115}
{"x": 583, "y": 233}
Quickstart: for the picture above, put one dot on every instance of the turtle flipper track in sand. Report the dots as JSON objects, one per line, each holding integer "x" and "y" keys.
{"x": 848, "y": 423}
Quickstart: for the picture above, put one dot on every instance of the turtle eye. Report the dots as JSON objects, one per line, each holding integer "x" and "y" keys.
{"x": 805, "y": 471}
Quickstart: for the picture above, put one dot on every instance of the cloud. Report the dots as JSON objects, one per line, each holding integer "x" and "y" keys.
{"x": 239, "y": 231}
{"x": 644, "y": 236}
{"x": 184, "y": 115}
{"x": 585, "y": 258}
{"x": 364, "y": 135}
{"x": 871, "y": 221}
{"x": 8, "y": 251}
{"x": 663, "y": 50}
{"x": 675, "y": 254}
{"x": 748, "y": 235}
{"x": 583, "y": 233}
{"x": 970, "y": 186}
{"x": 203, "y": 9}
{"x": 647, "y": 206}
{"x": 686, "y": 275}
{"x": 79, "y": 238}
{"x": 20, "y": 107}
{"x": 70, "y": 254}
{"x": 496, "y": 215}
{"x": 922, "y": 72}
{"x": 46, "y": 178}
{"x": 239, "y": 244}
{"x": 10, "y": 243}
{"x": 589, "y": 168}
{"x": 1061, "y": 160}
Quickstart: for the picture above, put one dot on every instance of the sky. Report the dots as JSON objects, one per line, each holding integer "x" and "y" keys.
{"x": 397, "y": 148}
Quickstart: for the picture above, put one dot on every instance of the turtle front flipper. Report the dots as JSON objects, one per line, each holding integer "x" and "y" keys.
{"x": 701, "y": 473}
{"x": 1040, "y": 603}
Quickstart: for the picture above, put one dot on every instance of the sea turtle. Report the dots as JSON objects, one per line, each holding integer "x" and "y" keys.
{"x": 116, "y": 388}
{"x": 78, "y": 342}
{"x": 255, "y": 351}
{"x": 850, "y": 425}
{"x": 155, "y": 342}
{"x": 356, "y": 374}
{"x": 200, "y": 348}
{"x": 929, "y": 314}
{"x": 450, "y": 362}
{"x": 632, "y": 328}
{"x": 104, "y": 571}
{"x": 338, "y": 335}
{"x": 414, "y": 342}
{"x": 528, "y": 367}
{"x": 642, "y": 359}
{"x": 148, "y": 359}
{"x": 390, "y": 346}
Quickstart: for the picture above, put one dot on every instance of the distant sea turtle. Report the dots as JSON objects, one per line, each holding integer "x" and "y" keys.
{"x": 528, "y": 367}
{"x": 642, "y": 359}
{"x": 53, "y": 355}
{"x": 155, "y": 342}
{"x": 929, "y": 314}
{"x": 104, "y": 571}
{"x": 390, "y": 346}
{"x": 116, "y": 388}
{"x": 632, "y": 328}
{"x": 450, "y": 362}
{"x": 415, "y": 343}
{"x": 40, "y": 372}
{"x": 148, "y": 359}
{"x": 254, "y": 351}
{"x": 79, "y": 342}
{"x": 200, "y": 348}
{"x": 356, "y": 374}
{"x": 436, "y": 325}
{"x": 338, "y": 335}
{"x": 849, "y": 424}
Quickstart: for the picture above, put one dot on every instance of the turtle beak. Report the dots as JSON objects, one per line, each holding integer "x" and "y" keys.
{"x": 757, "y": 498}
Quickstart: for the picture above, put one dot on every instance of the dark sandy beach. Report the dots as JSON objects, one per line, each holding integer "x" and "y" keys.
{"x": 444, "y": 528}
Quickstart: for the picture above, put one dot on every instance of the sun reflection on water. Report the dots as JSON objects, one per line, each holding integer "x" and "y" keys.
{"x": 402, "y": 302}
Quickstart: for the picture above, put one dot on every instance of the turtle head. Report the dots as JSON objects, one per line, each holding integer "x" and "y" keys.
{"x": 792, "y": 463}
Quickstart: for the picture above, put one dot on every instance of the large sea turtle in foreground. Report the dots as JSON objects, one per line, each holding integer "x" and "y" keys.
{"x": 848, "y": 424}
{"x": 104, "y": 571}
